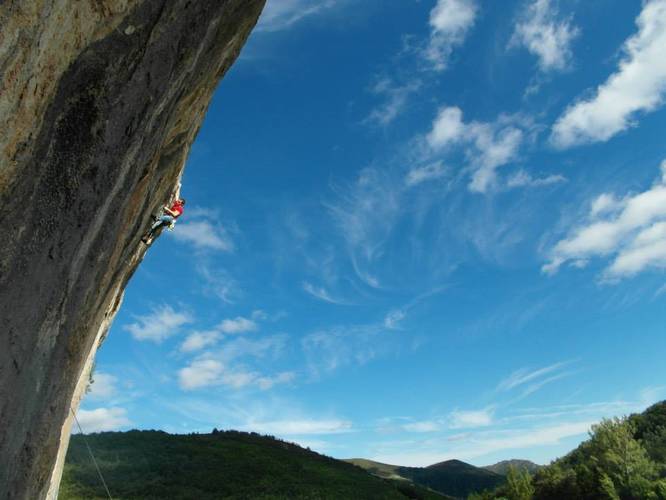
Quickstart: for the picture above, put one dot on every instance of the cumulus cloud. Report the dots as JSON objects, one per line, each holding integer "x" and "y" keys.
{"x": 631, "y": 229}
{"x": 103, "y": 419}
{"x": 206, "y": 372}
{"x": 548, "y": 38}
{"x": 283, "y": 14}
{"x": 162, "y": 323}
{"x": 450, "y": 21}
{"x": 489, "y": 145}
{"x": 200, "y": 373}
{"x": 199, "y": 340}
{"x": 103, "y": 386}
{"x": 203, "y": 235}
{"x": 638, "y": 85}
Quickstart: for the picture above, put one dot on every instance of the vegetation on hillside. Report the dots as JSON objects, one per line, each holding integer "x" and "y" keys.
{"x": 504, "y": 466}
{"x": 230, "y": 465}
{"x": 624, "y": 459}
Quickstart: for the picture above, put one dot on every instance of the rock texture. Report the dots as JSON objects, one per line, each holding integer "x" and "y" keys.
{"x": 99, "y": 103}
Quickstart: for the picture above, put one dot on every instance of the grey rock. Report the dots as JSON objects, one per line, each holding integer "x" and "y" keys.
{"x": 99, "y": 104}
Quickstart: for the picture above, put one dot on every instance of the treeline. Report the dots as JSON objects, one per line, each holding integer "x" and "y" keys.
{"x": 223, "y": 464}
{"x": 624, "y": 459}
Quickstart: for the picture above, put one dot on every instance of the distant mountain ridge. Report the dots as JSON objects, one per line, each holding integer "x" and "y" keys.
{"x": 502, "y": 467}
{"x": 451, "y": 477}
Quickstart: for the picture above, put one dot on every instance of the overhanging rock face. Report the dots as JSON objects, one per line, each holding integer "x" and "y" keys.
{"x": 99, "y": 103}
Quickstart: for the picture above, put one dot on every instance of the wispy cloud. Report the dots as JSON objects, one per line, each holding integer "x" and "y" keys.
{"x": 429, "y": 172}
{"x": 546, "y": 36}
{"x": 450, "y": 21}
{"x": 218, "y": 282}
{"x": 460, "y": 419}
{"x": 283, "y": 14}
{"x": 639, "y": 84}
{"x": 160, "y": 324}
{"x": 321, "y": 293}
{"x": 525, "y": 375}
{"x": 238, "y": 325}
{"x": 631, "y": 228}
{"x": 478, "y": 444}
{"x": 103, "y": 419}
{"x": 365, "y": 211}
{"x": 525, "y": 179}
{"x": 299, "y": 427}
{"x": 395, "y": 98}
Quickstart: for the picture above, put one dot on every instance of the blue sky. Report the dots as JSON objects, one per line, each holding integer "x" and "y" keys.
{"x": 415, "y": 231}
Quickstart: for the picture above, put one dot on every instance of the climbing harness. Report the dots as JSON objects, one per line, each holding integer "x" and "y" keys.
{"x": 85, "y": 440}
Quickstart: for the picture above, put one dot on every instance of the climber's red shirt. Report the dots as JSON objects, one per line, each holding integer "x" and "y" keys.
{"x": 177, "y": 208}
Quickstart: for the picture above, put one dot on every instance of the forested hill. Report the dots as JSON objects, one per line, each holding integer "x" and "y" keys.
{"x": 624, "y": 459}
{"x": 451, "y": 477}
{"x": 233, "y": 465}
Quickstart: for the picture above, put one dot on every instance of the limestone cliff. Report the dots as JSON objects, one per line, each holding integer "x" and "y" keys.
{"x": 99, "y": 103}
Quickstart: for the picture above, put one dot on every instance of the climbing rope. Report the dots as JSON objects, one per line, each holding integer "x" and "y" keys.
{"x": 85, "y": 440}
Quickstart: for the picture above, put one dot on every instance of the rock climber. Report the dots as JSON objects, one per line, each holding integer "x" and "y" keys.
{"x": 167, "y": 218}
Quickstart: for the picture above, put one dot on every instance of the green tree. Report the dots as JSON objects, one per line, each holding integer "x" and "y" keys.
{"x": 519, "y": 484}
{"x": 622, "y": 462}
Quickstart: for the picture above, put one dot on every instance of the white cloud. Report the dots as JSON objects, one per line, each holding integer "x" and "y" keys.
{"x": 425, "y": 426}
{"x": 321, "y": 293}
{"x": 198, "y": 340}
{"x": 472, "y": 445}
{"x": 203, "y": 235}
{"x": 489, "y": 145}
{"x": 448, "y": 128}
{"x": 468, "y": 419}
{"x": 296, "y": 427}
{"x": 328, "y": 350}
{"x": 497, "y": 147}
{"x": 632, "y": 229}
{"x": 395, "y": 100}
{"x": 450, "y": 20}
{"x": 392, "y": 319}
{"x": 218, "y": 282}
{"x": 283, "y": 14}
{"x": 238, "y": 325}
{"x": 365, "y": 213}
{"x": 429, "y": 172}
{"x": 200, "y": 373}
{"x": 524, "y": 179}
{"x": 103, "y": 419}
{"x": 639, "y": 84}
{"x": 160, "y": 324}
{"x": 103, "y": 386}
{"x": 525, "y": 375}
{"x": 207, "y": 372}
{"x": 540, "y": 32}
{"x": 281, "y": 378}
